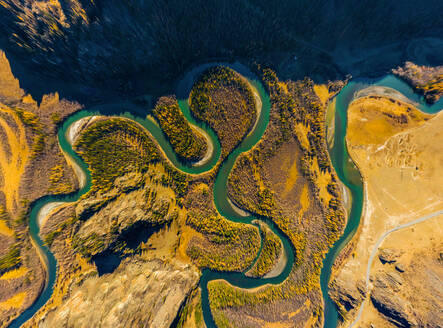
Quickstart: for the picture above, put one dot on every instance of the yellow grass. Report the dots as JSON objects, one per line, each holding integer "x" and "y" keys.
{"x": 310, "y": 322}
{"x": 302, "y": 134}
{"x": 28, "y": 100}
{"x": 187, "y": 233}
{"x": 292, "y": 177}
{"x": 322, "y": 182}
{"x": 370, "y": 123}
{"x": 15, "y": 301}
{"x": 304, "y": 201}
{"x": 322, "y": 92}
{"x": 14, "y": 274}
{"x": 283, "y": 86}
{"x": 12, "y": 166}
{"x": 5, "y": 230}
{"x": 9, "y": 85}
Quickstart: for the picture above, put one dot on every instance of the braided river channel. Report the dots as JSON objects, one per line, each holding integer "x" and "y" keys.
{"x": 346, "y": 170}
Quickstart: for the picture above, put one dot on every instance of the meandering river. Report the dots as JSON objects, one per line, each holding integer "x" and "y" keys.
{"x": 349, "y": 174}
{"x": 341, "y": 161}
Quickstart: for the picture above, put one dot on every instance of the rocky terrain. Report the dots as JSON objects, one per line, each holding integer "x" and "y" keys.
{"x": 140, "y": 293}
{"x": 31, "y": 166}
{"x": 407, "y": 289}
{"x": 117, "y": 253}
{"x": 401, "y": 183}
{"x": 427, "y": 80}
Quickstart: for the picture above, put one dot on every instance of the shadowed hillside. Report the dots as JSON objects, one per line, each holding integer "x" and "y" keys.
{"x": 111, "y": 42}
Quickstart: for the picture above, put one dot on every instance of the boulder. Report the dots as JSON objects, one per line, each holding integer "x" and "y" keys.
{"x": 387, "y": 255}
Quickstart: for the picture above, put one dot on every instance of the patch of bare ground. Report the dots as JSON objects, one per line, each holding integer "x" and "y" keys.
{"x": 31, "y": 165}
{"x": 407, "y": 288}
{"x": 398, "y": 151}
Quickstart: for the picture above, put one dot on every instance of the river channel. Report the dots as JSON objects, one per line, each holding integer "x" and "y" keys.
{"x": 341, "y": 161}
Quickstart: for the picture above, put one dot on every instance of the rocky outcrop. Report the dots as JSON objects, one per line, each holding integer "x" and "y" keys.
{"x": 134, "y": 203}
{"x": 391, "y": 153}
{"x": 140, "y": 293}
{"x": 394, "y": 307}
{"x": 389, "y": 279}
{"x": 347, "y": 294}
{"x": 388, "y": 255}
{"x": 409, "y": 295}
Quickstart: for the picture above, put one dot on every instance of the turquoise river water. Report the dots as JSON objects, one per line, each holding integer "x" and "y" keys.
{"x": 341, "y": 161}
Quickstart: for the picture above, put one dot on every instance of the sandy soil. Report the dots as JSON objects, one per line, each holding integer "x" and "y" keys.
{"x": 385, "y": 92}
{"x": 77, "y": 127}
{"x": 237, "y": 209}
{"x": 402, "y": 180}
{"x": 258, "y": 104}
{"x": 279, "y": 266}
{"x": 45, "y": 212}
{"x": 210, "y": 146}
{"x": 72, "y": 134}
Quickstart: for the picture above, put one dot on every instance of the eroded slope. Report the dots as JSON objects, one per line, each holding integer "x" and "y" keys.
{"x": 31, "y": 166}
{"x": 400, "y": 165}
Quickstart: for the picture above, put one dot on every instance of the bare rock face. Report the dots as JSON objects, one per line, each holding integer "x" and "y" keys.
{"x": 389, "y": 279}
{"x": 410, "y": 295}
{"x": 346, "y": 292}
{"x": 388, "y": 255}
{"x": 9, "y": 85}
{"x": 140, "y": 293}
{"x": 394, "y": 307}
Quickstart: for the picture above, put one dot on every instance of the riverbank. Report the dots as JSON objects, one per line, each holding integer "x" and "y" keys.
{"x": 210, "y": 146}
{"x": 256, "y": 285}
{"x": 238, "y": 210}
{"x": 258, "y": 103}
{"x": 45, "y": 212}
{"x": 279, "y": 266}
{"x": 399, "y": 170}
{"x": 72, "y": 134}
